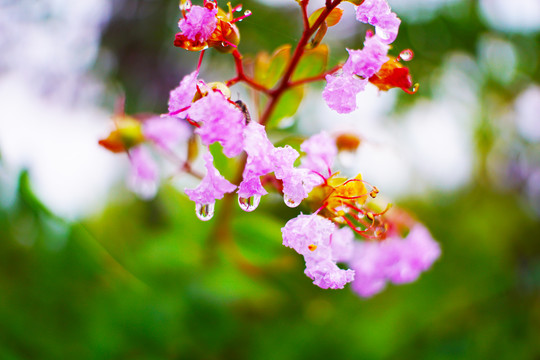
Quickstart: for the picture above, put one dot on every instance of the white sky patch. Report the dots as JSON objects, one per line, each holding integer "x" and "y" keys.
{"x": 519, "y": 16}
{"x": 51, "y": 120}
{"x": 527, "y": 117}
{"x": 58, "y": 145}
{"x": 419, "y": 10}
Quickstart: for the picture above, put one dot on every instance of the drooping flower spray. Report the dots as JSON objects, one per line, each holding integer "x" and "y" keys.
{"x": 345, "y": 224}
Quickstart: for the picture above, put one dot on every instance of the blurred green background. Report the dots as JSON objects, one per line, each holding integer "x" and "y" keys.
{"x": 147, "y": 280}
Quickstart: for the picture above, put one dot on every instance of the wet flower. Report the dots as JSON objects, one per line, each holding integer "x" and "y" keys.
{"x": 309, "y": 235}
{"x": 378, "y": 14}
{"x": 212, "y": 187}
{"x": 297, "y": 183}
{"x": 366, "y": 62}
{"x": 341, "y": 90}
{"x": 320, "y": 152}
{"x": 208, "y": 26}
{"x": 180, "y": 98}
{"x": 221, "y": 122}
{"x": 199, "y": 23}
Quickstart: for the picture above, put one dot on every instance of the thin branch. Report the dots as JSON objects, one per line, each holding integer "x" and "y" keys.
{"x": 304, "y": 5}
{"x": 241, "y": 75}
{"x": 319, "y": 77}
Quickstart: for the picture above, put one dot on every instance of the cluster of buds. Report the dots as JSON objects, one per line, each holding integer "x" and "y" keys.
{"x": 345, "y": 225}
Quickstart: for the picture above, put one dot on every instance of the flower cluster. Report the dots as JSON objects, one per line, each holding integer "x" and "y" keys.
{"x": 370, "y": 64}
{"x": 345, "y": 225}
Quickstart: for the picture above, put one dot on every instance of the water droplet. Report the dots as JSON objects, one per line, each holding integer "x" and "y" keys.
{"x": 249, "y": 204}
{"x": 247, "y": 13}
{"x": 185, "y": 5}
{"x": 224, "y": 44}
{"x": 205, "y": 211}
{"x": 290, "y": 202}
{"x": 406, "y": 55}
{"x": 239, "y": 8}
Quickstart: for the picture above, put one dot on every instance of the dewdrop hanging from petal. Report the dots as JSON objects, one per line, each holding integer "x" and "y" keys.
{"x": 212, "y": 187}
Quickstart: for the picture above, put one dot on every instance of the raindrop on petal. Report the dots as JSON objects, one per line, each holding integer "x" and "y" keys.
{"x": 205, "y": 211}
{"x": 247, "y": 13}
{"x": 249, "y": 204}
{"x": 290, "y": 202}
{"x": 406, "y": 55}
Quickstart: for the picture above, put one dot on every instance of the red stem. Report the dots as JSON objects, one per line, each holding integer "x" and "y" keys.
{"x": 315, "y": 78}
{"x": 276, "y": 93}
{"x": 241, "y": 75}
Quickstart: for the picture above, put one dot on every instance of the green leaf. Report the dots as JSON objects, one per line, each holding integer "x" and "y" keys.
{"x": 287, "y": 106}
{"x": 332, "y": 19}
{"x": 258, "y": 237}
{"x": 312, "y": 63}
{"x": 268, "y": 70}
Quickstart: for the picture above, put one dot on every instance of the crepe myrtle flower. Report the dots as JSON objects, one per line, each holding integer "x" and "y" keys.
{"x": 343, "y": 213}
{"x": 310, "y": 236}
{"x": 398, "y": 260}
{"x": 207, "y": 26}
{"x": 263, "y": 158}
{"x": 341, "y": 88}
{"x": 221, "y": 121}
{"x": 212, "y": 187}
{"x": 134, "y": 135}
{"x": 378, "y": 14}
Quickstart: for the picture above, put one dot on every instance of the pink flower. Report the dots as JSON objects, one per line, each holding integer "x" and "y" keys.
{"x": 143, "y": 179}
{"x": 182, "y": 97}
{"x": 368, "y": 61}
{"x": 342, "y": 244}
{"x": 221, "y": 121}
{"x": 251, "y": 186}
{"x": 395, "y": 259}
{"x": 412, "y": 255}
{"x": 320, "y": 152}
{"x": 166, "y": 132}
{"x": 378, "y": 14}
{"x": 212, "y": 187}
{"x": 199, "y": 23}
{"x": 259, "y": 160}
{"x": 263, "y": 158}
{"x": 297, "y": 183}
{"x": 341, "y": 90}
{"x": 369, "y": 262}
{"x": 309, "y": 235}
{"x": 259, "y": 150}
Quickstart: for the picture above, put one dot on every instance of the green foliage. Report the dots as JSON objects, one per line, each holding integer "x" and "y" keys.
{"x": 148, "y": 280}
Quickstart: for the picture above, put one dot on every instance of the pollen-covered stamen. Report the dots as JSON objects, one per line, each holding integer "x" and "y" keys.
{"x": 312, "y": 247}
